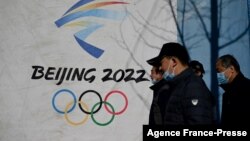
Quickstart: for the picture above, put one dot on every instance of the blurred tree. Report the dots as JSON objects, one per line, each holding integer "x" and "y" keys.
{"x": 208, "y": 19}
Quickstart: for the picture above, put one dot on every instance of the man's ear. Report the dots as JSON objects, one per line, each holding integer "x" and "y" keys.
{"x": 232, "y": 69}
{"x": 174, "y": 59}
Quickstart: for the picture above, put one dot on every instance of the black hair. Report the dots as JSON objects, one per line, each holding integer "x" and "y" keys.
{"x": 228, "y": 60}
{"x": 197, "y": 67}
{"x": 157, "y": 69}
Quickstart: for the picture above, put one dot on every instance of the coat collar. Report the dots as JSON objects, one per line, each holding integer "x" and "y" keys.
{"x": 237, "y": 80}
{"x": 183, "y": 75}
{"x": 158, "y": 85}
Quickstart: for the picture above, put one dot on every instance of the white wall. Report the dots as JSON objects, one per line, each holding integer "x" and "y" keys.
{"x": 29, "y": 37}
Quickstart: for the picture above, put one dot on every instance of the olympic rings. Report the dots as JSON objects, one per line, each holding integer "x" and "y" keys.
{"x": 85, "y": 108}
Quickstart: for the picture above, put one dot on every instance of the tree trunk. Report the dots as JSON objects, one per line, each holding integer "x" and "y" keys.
{"x": 214, "y": 43}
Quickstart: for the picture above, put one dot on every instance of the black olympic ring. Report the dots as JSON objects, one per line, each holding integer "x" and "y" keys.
{"x": 80, "y": 98}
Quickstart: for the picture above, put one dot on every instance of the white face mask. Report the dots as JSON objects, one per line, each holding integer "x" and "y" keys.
{"x": 167, "y": 75}
{"x": 154, "y": 81}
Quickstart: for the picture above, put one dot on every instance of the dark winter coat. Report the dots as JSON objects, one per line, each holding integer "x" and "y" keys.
{"x": 160, "y": 98}
{"x": 236, "y": 102}
{"x": 190, "y": 101}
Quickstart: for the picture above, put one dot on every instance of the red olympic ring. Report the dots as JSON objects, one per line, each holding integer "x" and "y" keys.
{"x": 126, "y": 102}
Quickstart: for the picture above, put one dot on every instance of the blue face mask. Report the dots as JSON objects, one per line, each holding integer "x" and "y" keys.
{"x": 167, "y": 75}
{"x": 222, "y": 79}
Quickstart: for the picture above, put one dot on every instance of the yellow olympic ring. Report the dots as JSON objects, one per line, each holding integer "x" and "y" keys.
{"x": 75, "y": 123}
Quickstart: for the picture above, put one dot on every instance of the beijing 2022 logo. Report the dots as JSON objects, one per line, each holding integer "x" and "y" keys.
{"x": 89, "y": 8}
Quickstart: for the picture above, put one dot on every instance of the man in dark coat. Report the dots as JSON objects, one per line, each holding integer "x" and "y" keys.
{"x": 190, "y": 101}
{"x": 236, "y": 99}
{"x": 160, "y": 95}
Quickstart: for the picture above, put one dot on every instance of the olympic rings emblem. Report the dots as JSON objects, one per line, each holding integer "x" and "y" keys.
{"x": 85, "y": 109}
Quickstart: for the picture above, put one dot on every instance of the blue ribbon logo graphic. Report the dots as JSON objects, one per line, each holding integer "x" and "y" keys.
{"x": 89, "y": 8}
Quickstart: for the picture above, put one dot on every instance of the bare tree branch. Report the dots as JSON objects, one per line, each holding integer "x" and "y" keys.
{"x": 194, "y": 45}
{"x": 248, "y": 11}
{"x": 153, "y": 26}
{"x": 220, "y": 17}
{"x": 202, "y": 21}
{"x": 183, "y": 17}
{"x": 176, "y": 23}
{"x": 236, "y": 38}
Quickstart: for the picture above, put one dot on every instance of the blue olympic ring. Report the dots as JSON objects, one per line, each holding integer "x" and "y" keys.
{"x": 57, "y": 93}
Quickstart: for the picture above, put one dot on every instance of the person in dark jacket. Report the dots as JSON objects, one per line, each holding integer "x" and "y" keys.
{"x": 190, "y": 101}
{"x": 160, "y": 96}
{"x": 197, "y": 68}
{"x": 236, "y": 98}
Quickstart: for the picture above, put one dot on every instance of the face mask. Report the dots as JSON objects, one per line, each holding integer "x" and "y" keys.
{"x": 167, "y": 75}
{"x": 154, "y": 81}
{"x": 222, "y": 79}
